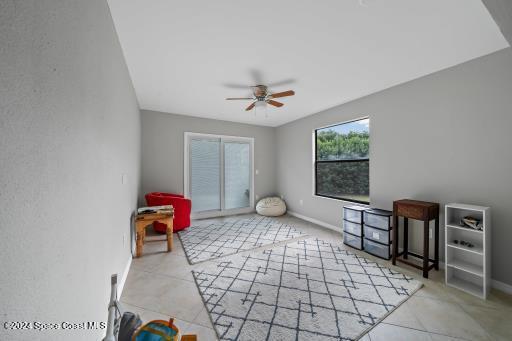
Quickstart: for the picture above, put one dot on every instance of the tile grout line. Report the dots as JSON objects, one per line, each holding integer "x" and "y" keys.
{"x": 398, "y": 325}
{"x": 424, "y": 331}
{"x": 199, "y": 313}
{"x": 165, "y": 275}
{"x": 463, "y": 310}
{"x": 162, "y": 313}
{"x": 406, "y": 304}
{"x": 449, "y": 300}
{"x": 474, "y": 319}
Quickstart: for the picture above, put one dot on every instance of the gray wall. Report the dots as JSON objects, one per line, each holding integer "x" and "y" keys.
{"x": 162, "y": 150}
{"x": 444, "y": 137}
{"x": 69, "y": 129}
{"x": 501, "y": 11}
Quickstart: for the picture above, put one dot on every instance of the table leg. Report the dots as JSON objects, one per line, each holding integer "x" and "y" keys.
{"x": 406, "y": 237}
{"x": 139, "y": 239}
{"x": 436, "y": 244}
{"x": 169, "y": 235}
{"x": 425, "y": 247}
{"x": 395, "y": 238}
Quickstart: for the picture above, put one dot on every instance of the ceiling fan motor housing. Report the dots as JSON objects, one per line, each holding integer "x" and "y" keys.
{"x": 260, "y": 92}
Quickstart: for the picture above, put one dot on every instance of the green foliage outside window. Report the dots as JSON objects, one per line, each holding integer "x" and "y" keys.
{"x": 332, "y": 145}
{"x": 347, "y": 178}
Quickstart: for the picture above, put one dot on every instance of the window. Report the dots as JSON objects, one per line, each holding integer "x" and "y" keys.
{"x": 342, "y": 161}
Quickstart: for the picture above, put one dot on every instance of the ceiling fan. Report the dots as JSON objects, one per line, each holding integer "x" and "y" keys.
{"x": 261, "y": 94}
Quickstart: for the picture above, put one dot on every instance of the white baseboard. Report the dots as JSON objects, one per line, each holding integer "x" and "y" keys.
{"x": 315, "y": 221}
{"x": 506, "y": 288}
{"x": 120, "y": 285}
{"x": 215, "y": 214}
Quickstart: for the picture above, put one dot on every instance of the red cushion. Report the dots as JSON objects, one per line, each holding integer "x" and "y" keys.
{"x": 182, "y": 207}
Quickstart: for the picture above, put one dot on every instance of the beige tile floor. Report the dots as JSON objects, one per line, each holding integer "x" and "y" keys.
{"x": 160, "y": 285}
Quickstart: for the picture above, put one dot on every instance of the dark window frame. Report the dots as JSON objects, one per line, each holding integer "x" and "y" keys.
{"x": 316, "y": 162}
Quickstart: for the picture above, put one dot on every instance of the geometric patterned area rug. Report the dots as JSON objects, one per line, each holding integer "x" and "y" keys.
{"x": 304, "y": 290}
{"x": 217, "y": 239}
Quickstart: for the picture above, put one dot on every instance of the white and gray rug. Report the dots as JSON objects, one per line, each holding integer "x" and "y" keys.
{"x": 206, "y": 241}
{"x": 304, "y": 290}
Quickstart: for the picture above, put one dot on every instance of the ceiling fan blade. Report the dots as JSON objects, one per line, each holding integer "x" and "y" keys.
{"x": 282, "y": 94}
{"x": 257, "y": 76}
{"x": 281, "y": 83}
{"x": 275, "y": 103}
{"x": 236, "y": 86}
{"x": 237, "y": 98}
{"x": 250, "y": 106}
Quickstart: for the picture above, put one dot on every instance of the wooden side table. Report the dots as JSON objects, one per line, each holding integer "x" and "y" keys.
{"x": 419, "y": 210}
{"x": 144, "y": 219}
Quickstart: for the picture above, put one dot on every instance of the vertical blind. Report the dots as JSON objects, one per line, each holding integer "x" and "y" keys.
{"x": 205, "y": 174}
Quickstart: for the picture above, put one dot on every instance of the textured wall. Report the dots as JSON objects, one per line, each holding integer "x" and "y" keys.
{"x": 69, "y": 129}
{"x": 444, "y": 137}
{"x": 162, "y": 150}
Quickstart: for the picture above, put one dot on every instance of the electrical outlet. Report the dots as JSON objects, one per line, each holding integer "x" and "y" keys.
{"x": 257, "y": 196}
{"x": 301, "y": 202}
{"x": 257, "y": 172}
{"x": 282, "y": 197}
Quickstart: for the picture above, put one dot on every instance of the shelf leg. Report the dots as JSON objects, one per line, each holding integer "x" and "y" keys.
{"x": 395, "y": 238}
{"x": 436, "y": 244}
{"x": 425, "y": 248}
{"x": 406, "y": 237}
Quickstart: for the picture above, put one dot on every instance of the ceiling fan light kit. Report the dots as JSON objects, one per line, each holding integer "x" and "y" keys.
{"x": 261, "y": 94}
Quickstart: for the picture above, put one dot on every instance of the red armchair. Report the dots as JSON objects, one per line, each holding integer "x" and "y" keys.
{"x": 181, "y": 206}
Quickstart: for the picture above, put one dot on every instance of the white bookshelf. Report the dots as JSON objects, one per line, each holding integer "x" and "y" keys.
{"x": 468, "y": 268}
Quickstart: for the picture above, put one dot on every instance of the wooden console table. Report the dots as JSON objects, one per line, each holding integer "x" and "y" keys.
{"x": 144, "y": 219}
{"x": 418, "y": 210}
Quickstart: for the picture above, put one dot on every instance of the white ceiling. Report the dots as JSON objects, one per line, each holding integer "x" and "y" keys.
{"x": 185, "y": 57}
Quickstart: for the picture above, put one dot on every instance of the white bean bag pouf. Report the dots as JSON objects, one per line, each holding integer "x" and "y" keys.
{"x": 271, "y": 207}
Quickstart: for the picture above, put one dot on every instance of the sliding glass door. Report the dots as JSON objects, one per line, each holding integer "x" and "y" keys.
{"x": 237, "y": 175}
{"x": 218, "y": 174}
